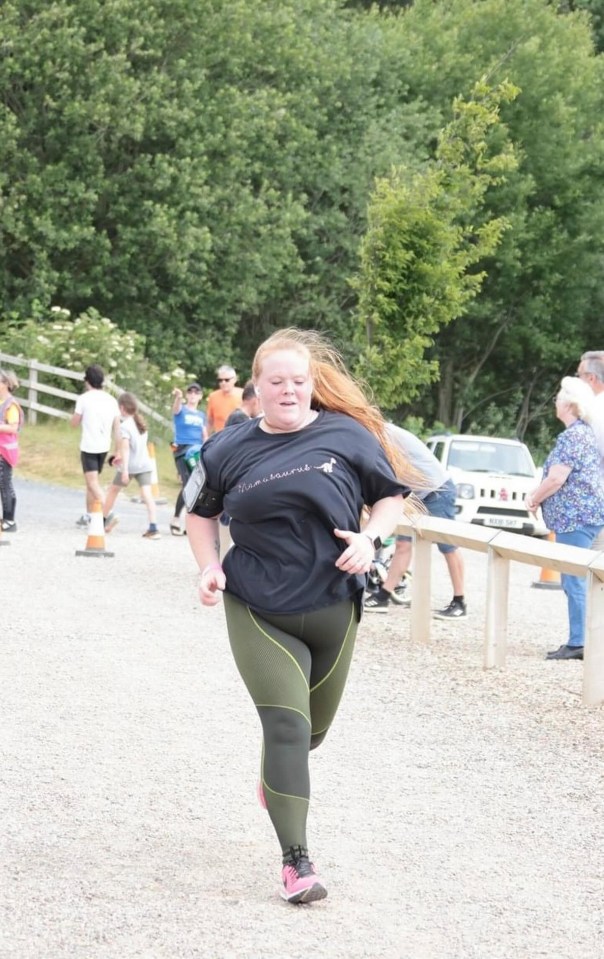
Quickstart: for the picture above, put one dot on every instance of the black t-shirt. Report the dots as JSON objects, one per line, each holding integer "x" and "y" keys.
{"x": 236, "y": 417}
{"x": 285, "y": 494}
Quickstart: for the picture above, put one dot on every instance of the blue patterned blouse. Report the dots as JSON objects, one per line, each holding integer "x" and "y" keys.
{"x": 580, "y": 501}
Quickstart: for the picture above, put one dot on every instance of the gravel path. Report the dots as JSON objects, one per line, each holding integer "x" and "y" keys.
{"x": 456, "y": 813}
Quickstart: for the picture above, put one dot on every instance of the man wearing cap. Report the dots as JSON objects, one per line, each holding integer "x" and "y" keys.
{"x": 224, "y": 400}
{"x": 190, "y": 429}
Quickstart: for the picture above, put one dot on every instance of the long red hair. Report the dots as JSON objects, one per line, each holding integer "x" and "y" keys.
{"x": 337, "y": 390}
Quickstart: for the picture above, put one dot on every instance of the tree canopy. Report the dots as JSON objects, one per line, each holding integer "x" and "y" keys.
{"x": 426, "y": 234}
{"x": 202, "y": 172}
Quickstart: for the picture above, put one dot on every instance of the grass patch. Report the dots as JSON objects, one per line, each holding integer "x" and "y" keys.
{"x": 50, "y": 453}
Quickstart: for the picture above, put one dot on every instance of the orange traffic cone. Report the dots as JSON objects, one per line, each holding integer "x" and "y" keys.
{"x": 549, "y": 578}
{"x": 154, "y": 477}
{"x": 95, "y": 544}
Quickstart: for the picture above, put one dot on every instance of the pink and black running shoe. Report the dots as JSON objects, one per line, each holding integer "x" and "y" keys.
{"x": 300, "y": 881}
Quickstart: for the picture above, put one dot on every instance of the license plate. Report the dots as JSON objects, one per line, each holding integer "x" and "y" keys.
{"x": 503, "y": 522}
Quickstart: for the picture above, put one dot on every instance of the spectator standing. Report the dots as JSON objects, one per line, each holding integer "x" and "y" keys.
{"x": 571, "y": 496}
{"x": 294, "y": 483}
{"x": 11, "y": 421}
{"x": 99, "y": 417}
{"x": 438, "y": 495}
{"x": 224, "y": 400}
{"x": 591, "y": 371}
{"x": 132, "y": 462}
{"x": 190, "y": 430}
{"x": 250, "y": 406}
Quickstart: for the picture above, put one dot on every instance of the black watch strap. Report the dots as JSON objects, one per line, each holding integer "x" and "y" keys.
{"x": 376, "y": 541}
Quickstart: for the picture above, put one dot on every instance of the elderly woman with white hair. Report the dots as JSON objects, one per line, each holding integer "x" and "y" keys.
{"x": 571, "y": 496}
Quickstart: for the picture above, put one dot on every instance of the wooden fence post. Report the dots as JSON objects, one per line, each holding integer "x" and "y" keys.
{"x": 32, "y": 392}
{"x": 422, "y": 590}
{"x": 593, "y": 663}
{"x": 496, "y": 620}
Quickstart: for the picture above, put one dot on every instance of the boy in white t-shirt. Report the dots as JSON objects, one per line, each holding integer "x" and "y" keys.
{"x": 98, "y": 414}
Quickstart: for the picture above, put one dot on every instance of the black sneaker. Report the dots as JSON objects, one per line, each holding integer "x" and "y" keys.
{"x": 378, "y": 603}
{"x": 84, "y": 520}
{"x": 455, "y": 610}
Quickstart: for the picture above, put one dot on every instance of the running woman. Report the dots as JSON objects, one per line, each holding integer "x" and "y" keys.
{"x": 294, "y": 482}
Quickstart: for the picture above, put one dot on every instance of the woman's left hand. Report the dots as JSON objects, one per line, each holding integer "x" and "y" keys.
{"x": 358, "y": 557}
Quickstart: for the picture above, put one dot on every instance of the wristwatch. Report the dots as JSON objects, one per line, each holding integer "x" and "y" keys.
{"x": 376, "y": 542}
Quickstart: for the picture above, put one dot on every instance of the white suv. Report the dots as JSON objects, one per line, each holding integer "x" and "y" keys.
{"x": 492, "y": 476}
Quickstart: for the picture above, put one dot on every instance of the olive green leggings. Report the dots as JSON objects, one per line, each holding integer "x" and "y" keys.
{"x": 295, "y": 669}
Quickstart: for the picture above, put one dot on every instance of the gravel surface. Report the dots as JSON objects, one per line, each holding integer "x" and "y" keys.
{"x": 456, "y": 813}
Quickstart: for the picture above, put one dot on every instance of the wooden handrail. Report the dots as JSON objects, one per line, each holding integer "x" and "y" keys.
{"x": 501, "y": 548}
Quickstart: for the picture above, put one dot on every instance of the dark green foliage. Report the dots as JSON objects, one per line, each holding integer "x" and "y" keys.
{"x": 541, "y": 300}
{"x": 198, "y": 171}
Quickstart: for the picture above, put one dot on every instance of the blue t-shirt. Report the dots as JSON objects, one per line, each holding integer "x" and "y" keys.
{"x": 188, "y": 427}
{"x": 285, "y": 494}
{"x": 580, "y": 501}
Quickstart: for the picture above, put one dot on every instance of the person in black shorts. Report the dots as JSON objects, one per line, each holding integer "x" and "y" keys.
{"x": 294, "y": 482}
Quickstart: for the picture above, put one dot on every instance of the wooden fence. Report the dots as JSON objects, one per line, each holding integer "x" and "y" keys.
{"x": 501, "y": 548}
{"x": 33, "y": 379}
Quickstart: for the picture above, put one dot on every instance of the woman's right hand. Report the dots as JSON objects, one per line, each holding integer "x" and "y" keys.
{"x": 211, "y": 584}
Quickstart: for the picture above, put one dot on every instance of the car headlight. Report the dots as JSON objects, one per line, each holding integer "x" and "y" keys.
{"x": 465, "y": 491}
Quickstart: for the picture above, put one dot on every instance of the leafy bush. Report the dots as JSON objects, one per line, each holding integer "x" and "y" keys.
{"x": 74, "y": 343}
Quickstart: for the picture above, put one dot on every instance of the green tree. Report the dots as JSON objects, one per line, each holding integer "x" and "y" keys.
{"x": 196, "y": 170}
{"x": 595, "y": 11}
{"x": 541, "y": 295}
{"x": 422, "y": 244}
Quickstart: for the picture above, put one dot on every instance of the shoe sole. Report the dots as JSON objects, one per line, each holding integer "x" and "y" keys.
{"x": 564, "y": 659}
{"x": 375, "y": 609}
{"x": 450, "y": 618}
{"x": 316, "y": 892}
{"x": 177, "y": 531}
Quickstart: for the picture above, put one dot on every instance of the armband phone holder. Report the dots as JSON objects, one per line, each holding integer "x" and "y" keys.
{"x": 198, "y": 493}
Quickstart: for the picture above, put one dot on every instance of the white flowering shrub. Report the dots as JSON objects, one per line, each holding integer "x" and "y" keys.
{"x": 75, "y": 342}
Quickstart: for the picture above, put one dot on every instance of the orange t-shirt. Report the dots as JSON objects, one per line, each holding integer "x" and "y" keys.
{"x": 220, "y": 405}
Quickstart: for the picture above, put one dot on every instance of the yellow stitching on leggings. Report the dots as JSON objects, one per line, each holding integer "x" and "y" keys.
{"x": 286, "y": 795}
{"x": 327, "y": 675}
{"x": 292, "y": 709}
{"x": 282, "y": 648}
